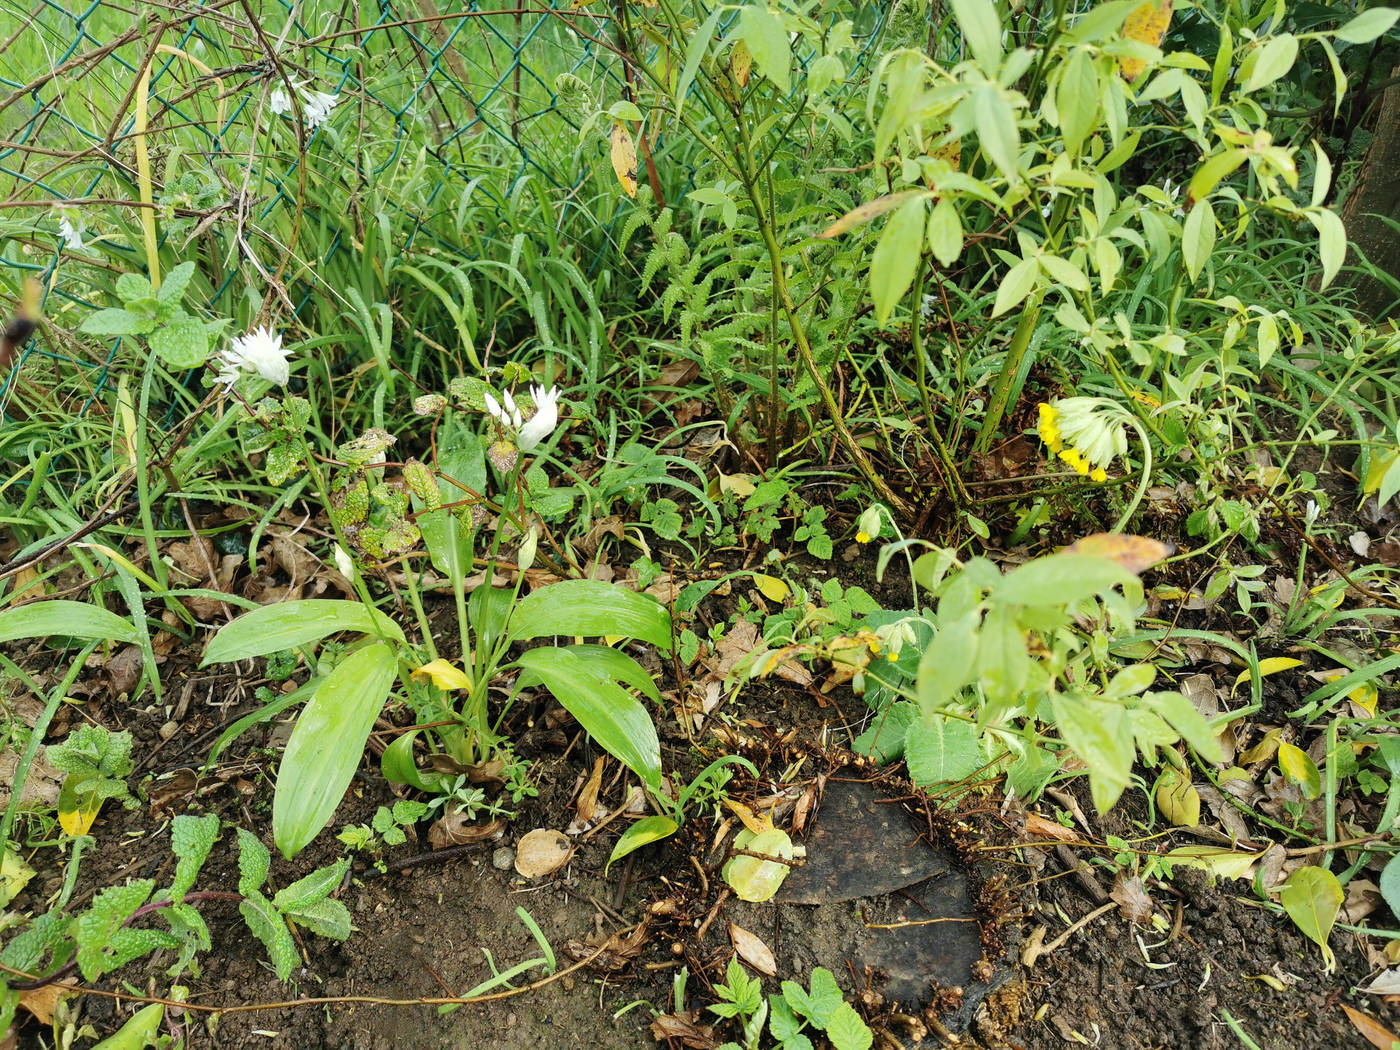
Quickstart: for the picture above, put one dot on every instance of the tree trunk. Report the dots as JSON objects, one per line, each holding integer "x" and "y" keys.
{"x": 1377, "y": 194}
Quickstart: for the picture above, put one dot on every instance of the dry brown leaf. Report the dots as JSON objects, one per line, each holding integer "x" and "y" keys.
{"x": 684, "y": 1029}
{"x": 1040, "y": 827}
{"x": 41, "y": 1001}
{"x": 753, "y": 951}
{"x": 618, "y": 949}
{"x": 123, "y": 670}
{"x": 1131, "y": 898}
{"x": 588, "y": 796}
{"x": 542, "y": 852}
{"x": 455, "y": 829}
{"x": 1371, "y": 1030}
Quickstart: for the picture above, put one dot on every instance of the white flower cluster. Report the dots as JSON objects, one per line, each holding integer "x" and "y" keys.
{"x": 528, "y": 435}
{"x": 316, "y": 106}
{"x": 259, "y": 351}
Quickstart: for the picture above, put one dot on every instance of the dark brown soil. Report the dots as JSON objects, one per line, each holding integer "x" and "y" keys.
{"x": 427, "y": 932}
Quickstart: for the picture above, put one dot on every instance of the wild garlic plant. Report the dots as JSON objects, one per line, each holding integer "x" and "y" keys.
{"x": 468, "y": 524}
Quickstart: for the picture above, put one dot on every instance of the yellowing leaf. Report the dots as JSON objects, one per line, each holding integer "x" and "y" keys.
{"x": 1364, "y": 695}
{"x": 1300, "y": 769}
{"x": 444, "y": 675}
{"x": 1147, "y": 25}
{"x": 1264, "y": 750}
{"x": 754, "y": 879}
{"x": 77, "y": 808}
{"x": 1177, "y": 800}
{"x": 1312, "y": 897}
{"x": 1273, "y": 665}
{"x": 755, "y": 824}
{"x": 741, "y": 63}
{"x": 1269, "y": 979}
{"x": 1376, "y": 471}
{"x": 1134, "y": 553}
{"x": 14, "y": 876}
{"x": 624, "y": 157}
{"x": 772, "y": 588}
{"x": 1222, "y": 863}
{"x": 950, "y": 152}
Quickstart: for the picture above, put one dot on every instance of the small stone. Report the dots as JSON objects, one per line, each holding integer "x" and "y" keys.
{"x": 169, "y": 729}
{"x": 503, "y": 859}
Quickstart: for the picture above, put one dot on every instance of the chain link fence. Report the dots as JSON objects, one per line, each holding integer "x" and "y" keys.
{"x": 457, "y": 102}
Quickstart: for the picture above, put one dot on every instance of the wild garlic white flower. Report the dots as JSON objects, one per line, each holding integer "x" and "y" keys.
{"x": 543, "y": 422}
{"x": 517, "y": 434}
{"x": 72, "y": 235}
{"x": 343, "y": 562}
{"x": 316, "y": 106}
{"x": 259, "y": 351}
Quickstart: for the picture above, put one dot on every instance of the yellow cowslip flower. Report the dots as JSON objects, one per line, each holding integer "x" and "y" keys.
{"x": 1087, "y": 433}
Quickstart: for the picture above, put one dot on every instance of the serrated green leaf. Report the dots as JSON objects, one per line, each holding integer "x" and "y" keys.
{"x": 116, "y": 322}
{"x": 254, "y": 860}
{"x": 191, "y": 839}
{"x": 325, "y": 917}
{"x": 183, "y": 343}
{"x": 268, "y": 926}
{"x": 847, "y": 1031}
{"x": 825, "y": 997}
{"x": 96, "y": 930}
{"x": 942, "y": 750}
{"x": 1098, "y": 732}
{"x": 320, "y": 884}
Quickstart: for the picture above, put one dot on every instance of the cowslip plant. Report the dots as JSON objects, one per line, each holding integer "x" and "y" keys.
{"x": 103, "y": 939}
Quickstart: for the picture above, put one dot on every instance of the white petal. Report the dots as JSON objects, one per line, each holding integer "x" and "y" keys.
{"x": 493, "y": 406}
{"x": 543, "y": 422}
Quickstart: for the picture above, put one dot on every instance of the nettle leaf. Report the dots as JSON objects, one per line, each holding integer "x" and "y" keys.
{"x": 116, "y": 322}
{"x": 326, "y": 917}
{"x": 825, "y": 997}
{"x": 172, "y": 289}
{"x": 942, "y": 750}
{"x": 132, "y": 287}
{"x": 183, "y": 343}
{"x": 896, "y": 258}
{"x": 847, "y": 1031}
{"x": 96, "y": 930}
{"x": 319, "y": 885}
{"x": 191, "y": 839}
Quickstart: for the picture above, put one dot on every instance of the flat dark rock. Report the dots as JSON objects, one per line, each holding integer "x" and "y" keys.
{"x": 861, "y": 846}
